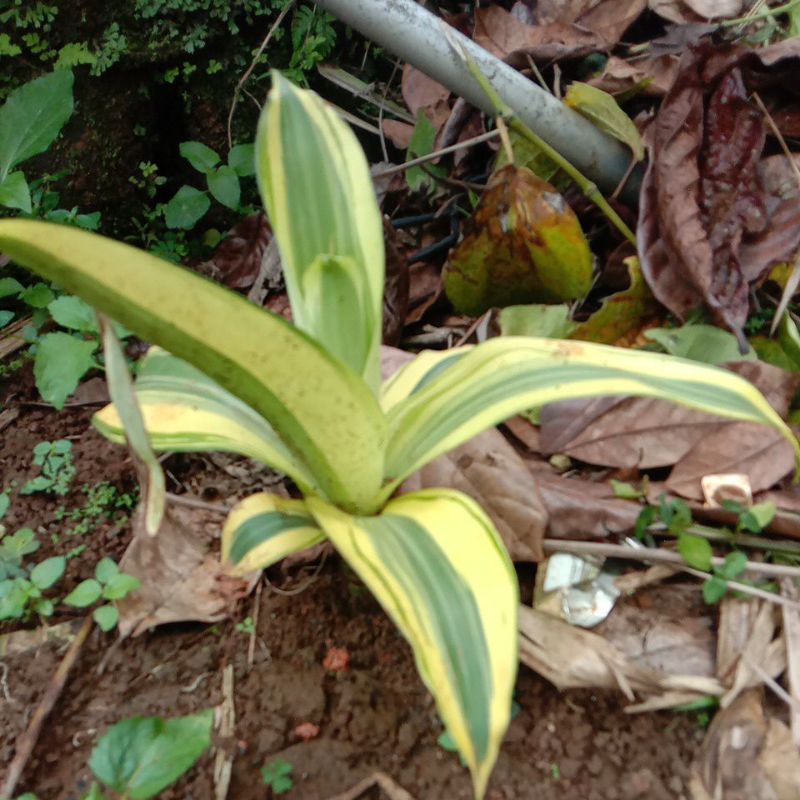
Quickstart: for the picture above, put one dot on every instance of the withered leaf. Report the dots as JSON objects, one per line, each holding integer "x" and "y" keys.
{"x": 703, "y": 194}
{"x": 645, "y": 433}
{"x": 238, "y": 258}
{"x": 523, "y": 244}
{"x": 650, "y": 75}
{"x": 181, "y": 576}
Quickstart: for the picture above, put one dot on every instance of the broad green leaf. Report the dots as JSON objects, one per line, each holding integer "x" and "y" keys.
{"x": 714, "y": 589}
{"x": 551, "y": 322}
{"x": 735, "y": 564}
{"x": 14, "y": 192}
{"x": 523, "y": 244}
{"x": 436, "y": 564}
{"x": 105, "y": 569}
{"x": 318, "y": 192}
{"x": 47, "y": 572}
{"x": 61, "y": 361}
{"x": 704, "y": 343}
{"x": 185, "y": 411}
{"x": 223, "y": 183}
{"x": 5, "y": 318}
{"x": 262, "y": 359}
{"x": 530, "y": 156}
{"x": 37, "y": 296}
{"x": 696, "y": 551}
{"x": 84, "y": 594}
{"x": 186, "y": 208}
{"x": 422, "y": 142}
{"x": 265, "y": 528}
{"x": 120, "y": 389}
{"x": 120, "y": 585}
{"x": 73, "y": 313}
{"x": 242, "y": 158}
{"x": 10, "y": 286}
{"x": 142, "y": 756}
{"x": 601, "y": 108}
{"x": 32, "y": 117}
{"x": 199, "y": 155}
{"x": 441, "y": 400}
{"x": 106, "y": 617}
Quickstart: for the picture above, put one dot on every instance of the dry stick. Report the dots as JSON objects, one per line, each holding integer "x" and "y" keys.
{"x": 249, "y": 71}
{"x": 384, "y": 782}
{"x": 27, "y": 741}
{"x": 675, "y": 560}
{"x": 415, "y": 162}
{"x": 793, "y": 704}
{"x": 193, "y": 502}
{"x": 505, "y": 112}
{"x": 791, "y": 637}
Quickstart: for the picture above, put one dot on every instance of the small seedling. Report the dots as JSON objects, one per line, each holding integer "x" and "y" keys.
{"x": 108, "y": 584}
{"x": 57, "y": 468}
{"x": 714, "y": 588}
{"x": 22, "y": 595}
{"x": 246, "y": 626}
{"x": 277, "y": 775}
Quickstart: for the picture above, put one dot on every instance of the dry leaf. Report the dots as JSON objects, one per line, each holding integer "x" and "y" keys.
{"x": 181, "y": 576}
{"x": 238, "y": 258}
{"x": 489, "y": 469}
{"x": 650, "y": 75}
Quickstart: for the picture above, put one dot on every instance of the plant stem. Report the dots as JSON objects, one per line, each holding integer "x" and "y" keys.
{"x": 769, "y": 12}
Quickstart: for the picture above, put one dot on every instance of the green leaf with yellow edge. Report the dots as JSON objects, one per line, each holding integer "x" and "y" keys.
{"x": 265, "y": 528}
{"x": 440, "y": 401}
{"x": 602, "y": 109}
{"x": 437, "y": 566}
{"x": 259, "y": 357}
{"x": 523, "y": 244}
{"x": 620, "y": 313}
{"x": 186, "y": 412}
{"x": 317, "y": 189}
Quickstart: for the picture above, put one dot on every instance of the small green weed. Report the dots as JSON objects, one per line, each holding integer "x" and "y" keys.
{"x": 246, "y": 626}
{"x": 57, "y": 468}
{"x": 108, "y": 584}
{"x": 104, "y": 502}
{"x": 277, "y": 776}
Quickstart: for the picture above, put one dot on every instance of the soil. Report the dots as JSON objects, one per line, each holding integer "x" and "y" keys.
{"x": 373, "y": 716}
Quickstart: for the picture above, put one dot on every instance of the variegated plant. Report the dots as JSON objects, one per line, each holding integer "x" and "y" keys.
{"x": 306, "y": 400}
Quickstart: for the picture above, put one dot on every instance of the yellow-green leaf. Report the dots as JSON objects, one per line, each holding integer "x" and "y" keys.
{"x": 523, "y": 244}
{"x": 601, "y": 108}
{"x": 185, "y": 411}
{"x": 435, "y": 405}
{"x": 318, "y": 192}
{"x": 436, "y": 564}
{"x": 265, "y": 528}
{"x": 279, "y": 371}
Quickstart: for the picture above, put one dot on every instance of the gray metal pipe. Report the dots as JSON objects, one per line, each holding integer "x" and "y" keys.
{"x": 415, "y": 36}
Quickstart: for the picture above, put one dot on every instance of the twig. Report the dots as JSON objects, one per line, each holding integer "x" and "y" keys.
{"x": 194, "y": 502}
{"x": 27, "y": 740}
{"x": 415, "y": 162}
{"x": 793, "y": 704}
{"x": 4, "y": 682}
{"x": 249, "y": 71}
{"x": 389, "y": 786}
{"x": 504, "y": 111}
{"x": 223, "y": 762}
{"x": 251, "y": 645}
{"x": 791, "y": 638}
{"x": 662, "y": 556}
{"x": 674, "y": 560}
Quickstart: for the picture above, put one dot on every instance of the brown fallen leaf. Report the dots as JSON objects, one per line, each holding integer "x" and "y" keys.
{"x": 421, "y": 93}
{"x": 489, "y": 469}
{"x": 181, "y": 576}
{"x": 238, "y": 257}
{"x": 503, "y": 35}
{"x": 746, "y": 756}
{"x": 652, "y": 76}
{"x": 703, "y": 198}
{"x": 395, "y": 290}
{"x": 644, "y": 433}
{"x": 607, "y": 19}
{"x": 581, "y": 509}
